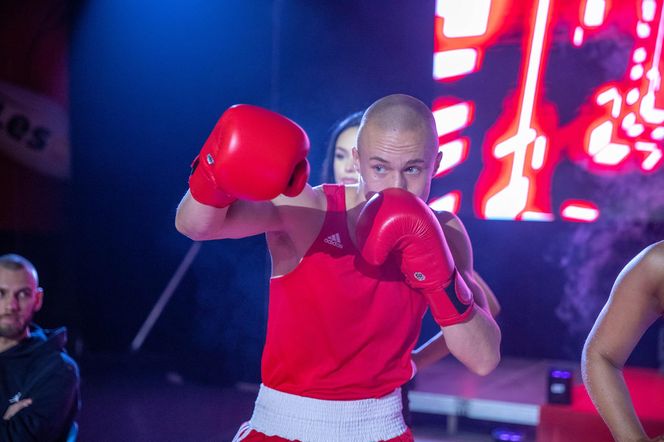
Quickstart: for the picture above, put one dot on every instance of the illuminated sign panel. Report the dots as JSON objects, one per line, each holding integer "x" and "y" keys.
{"x": 619, "y": 129}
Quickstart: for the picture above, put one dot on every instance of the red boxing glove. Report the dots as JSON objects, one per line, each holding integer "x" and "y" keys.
{"x": 395, "y": 220}
{"x": 252, "y": 154}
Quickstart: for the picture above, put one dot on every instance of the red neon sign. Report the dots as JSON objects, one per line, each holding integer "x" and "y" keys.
{"x": 621, "y": 128}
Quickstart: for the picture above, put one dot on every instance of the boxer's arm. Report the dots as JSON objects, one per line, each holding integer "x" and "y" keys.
{"x": 201, "y": 222}
{"x": 436, "y": 348}
{"x": 475, "y": 342}
{"x": 493, "y": 305}
{"x": 250, "y": 160}
{"x": 634, "y": 304}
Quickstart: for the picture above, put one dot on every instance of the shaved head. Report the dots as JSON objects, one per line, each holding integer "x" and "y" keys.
{"x": 397, "y": 146}
{"x": 17, "y": 262}
{"x": 401, "y": 113}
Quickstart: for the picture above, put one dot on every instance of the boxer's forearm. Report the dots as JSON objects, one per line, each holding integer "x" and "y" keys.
{"x": 475, "y": 342}
{"x": 608, "y": 391}
{"x": 240, "y": 219}
{"x": 199, "y": 221}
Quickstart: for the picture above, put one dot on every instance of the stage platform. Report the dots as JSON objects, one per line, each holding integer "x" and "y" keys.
{"x": 512, "y": 393}
{"x": 516, "y": 393}
{"x": 129, "y": 398}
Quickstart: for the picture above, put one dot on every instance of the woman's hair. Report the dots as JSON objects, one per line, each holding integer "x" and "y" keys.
{"x": 354, "y": 119}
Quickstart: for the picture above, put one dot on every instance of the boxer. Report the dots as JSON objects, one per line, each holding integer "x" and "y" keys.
{"x": 339, "y": 167}
{"x": 635, "y": 303}
{"x": 354, "y": 268}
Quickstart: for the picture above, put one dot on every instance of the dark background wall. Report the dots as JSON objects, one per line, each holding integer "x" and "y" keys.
{"x": 147, "y": 86}
{"x": 148, "y": 81}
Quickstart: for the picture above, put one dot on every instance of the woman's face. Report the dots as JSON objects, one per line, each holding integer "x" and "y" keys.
{"x": 344, "y": 171}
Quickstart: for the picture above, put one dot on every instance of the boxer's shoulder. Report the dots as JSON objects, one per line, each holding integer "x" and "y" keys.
{"x": 652, "y": 262}
{"x": 445, "y": 217}
{"x": 310, "y": 197}
{"x": 656, "y": 252}
{"x": 301, "y": 217}
{"x": 450, "y": 223}
{"x": 643, "y": 277}
{"x": 457, "y": 238}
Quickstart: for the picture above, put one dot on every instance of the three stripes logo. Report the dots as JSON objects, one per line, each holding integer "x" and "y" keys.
{"x": 334, "y": 240}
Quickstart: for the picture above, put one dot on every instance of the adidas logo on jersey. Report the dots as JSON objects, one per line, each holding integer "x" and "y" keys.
{"x": 334, "y": 240}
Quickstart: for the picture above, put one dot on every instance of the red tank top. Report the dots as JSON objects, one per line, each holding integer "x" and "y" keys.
{"x": 337, "y": 327}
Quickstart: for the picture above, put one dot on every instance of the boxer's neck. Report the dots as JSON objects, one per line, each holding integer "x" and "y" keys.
{"x": 354, "y": 196}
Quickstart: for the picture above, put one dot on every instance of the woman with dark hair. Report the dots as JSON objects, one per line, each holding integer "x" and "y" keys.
{"x": 338, "y": 164}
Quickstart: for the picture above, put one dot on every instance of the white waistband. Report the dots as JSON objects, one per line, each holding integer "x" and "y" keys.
{"x": 316, "y": 420}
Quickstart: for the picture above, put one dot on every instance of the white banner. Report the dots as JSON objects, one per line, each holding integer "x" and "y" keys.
{"x": 34, "y": 131}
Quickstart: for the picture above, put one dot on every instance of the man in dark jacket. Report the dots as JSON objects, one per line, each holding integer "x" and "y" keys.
{"x": 39, "y": 382}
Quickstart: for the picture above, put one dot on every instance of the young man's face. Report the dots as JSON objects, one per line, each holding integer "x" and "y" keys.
{"x": 20, "y": 299}
{"x": 403, "y": 159}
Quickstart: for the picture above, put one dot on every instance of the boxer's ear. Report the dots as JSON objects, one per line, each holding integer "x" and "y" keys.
{"x": 39, "y": 299}
{"x": 436, "y": 163}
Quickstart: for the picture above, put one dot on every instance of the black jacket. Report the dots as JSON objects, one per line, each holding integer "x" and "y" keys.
{"x": 38, "y": 368}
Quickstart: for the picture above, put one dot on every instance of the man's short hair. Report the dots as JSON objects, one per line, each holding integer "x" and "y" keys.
{"x": 12, "y": 261}
{"x": 401, "y": 112}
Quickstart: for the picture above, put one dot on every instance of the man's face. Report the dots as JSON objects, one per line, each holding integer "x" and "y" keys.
{"x": 403, "y": 159}
{"x": 20, "y": 299}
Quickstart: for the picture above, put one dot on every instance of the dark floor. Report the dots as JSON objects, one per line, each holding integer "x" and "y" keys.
{"x": 133, "y": 399}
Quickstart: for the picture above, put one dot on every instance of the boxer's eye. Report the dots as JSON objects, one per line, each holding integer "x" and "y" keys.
{"x": 413, "y": 170}
{"x": 379, "y": 168}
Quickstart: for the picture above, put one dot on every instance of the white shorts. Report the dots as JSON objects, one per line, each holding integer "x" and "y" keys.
{"x": 312, "y": 420}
